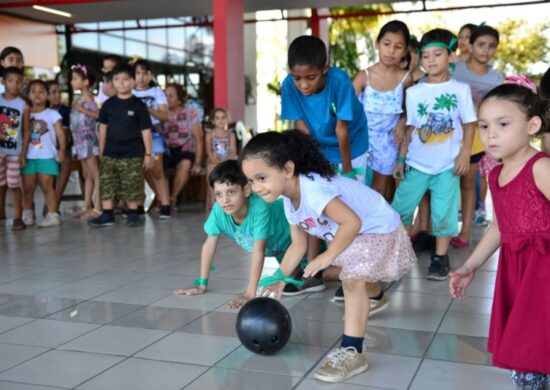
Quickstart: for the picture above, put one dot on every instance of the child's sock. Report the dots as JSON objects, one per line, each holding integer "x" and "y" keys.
{"x": 350, "y": 341}
{"x": 379, "y": 296}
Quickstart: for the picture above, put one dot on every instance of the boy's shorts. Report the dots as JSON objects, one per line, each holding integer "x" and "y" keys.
{"x": 10, "y": 171}
{"x": 444, "y": 195}
{"x": 121, "y": 178}
{"x": 48, "y": 166}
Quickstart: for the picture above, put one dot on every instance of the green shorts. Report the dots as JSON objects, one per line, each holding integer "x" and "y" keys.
{"x": 121, "y": 178}
{"x": 444, "y": 196}
{"x": 48, "y": 166}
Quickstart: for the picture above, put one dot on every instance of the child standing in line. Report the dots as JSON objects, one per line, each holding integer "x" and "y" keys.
{"x": 9, "y": 57}
{"x": 41, "y": 156}
{"x": 509, "y": 116}
{"x": 156, "y": 103}
{"x": 105, "y": 87}
{"x": 381, "y": 89}
{"x": 183, "y": 134}
{"x": 54, "y": 97}
{"x": 440, "y": 116}
{"x": 464, "y": 44}
{"x": 368, "y": 242}
{"x": 125, "y": 149}
{"x": 221, "y": 144}
{"x": 477, "y": 73}
{"x": 13, "y": 110}
{"x": 84, "y": 115}
{"x": 258, "y": 227}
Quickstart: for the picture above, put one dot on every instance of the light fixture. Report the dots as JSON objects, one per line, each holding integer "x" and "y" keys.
{"x": 52, "y": 11}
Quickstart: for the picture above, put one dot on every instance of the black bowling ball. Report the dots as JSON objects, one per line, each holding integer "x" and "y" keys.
{"x": 263, "y": 325}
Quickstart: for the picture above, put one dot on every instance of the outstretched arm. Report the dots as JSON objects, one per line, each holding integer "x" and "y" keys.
{"x": 258, "y": 257}
{"x": 207, "y": 257}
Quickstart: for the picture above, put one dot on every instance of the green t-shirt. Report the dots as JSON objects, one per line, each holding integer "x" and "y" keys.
{"x": 264, "y": 221}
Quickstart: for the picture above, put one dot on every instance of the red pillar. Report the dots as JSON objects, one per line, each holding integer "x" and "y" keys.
{"x": 229, "y": 56}
{"x": 315, "y": 28}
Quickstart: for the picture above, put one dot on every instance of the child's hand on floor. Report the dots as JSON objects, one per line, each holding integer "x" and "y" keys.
{"x": 273, "y": 290}
{"x": 460, "y": 280}
{"x": 239, "y": 301}
{"x": 190, "y": 291}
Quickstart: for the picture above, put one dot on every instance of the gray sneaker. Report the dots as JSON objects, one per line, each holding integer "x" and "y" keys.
{"x": 310, "y": 285}
{"x": 342, "y": 364}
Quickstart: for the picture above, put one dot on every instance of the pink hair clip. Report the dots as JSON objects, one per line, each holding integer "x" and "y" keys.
{"x": 522, "y": 80}
{"x": 81, "y": 68}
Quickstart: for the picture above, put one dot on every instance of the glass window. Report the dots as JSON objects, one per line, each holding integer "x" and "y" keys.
{"x": 86, "y": 41}
{"x": 156, "y": 22}
{"x": 176, "y": 37}
{"x": 111, "y": 44}
{"x": 136, "y": 48}
{"x": 157, "y": 53}
{"x": 109, "y": 25}
{"x": 138, "y": 35}
{"x": 157, "y": 35}
{"x": 176, "y": 57}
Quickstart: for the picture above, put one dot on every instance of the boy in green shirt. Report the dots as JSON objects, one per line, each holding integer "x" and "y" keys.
{"x": 258, "y": 227}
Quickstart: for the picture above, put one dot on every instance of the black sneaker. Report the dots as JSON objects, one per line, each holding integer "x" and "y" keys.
{"x": 133, "y": 220}
{"x": 141, "y": 210}
{"x": 165, "y": 212}
{"x": 424, "y": 242}
{"x": 102, "y": 221}
{"x": 312, "y": 284}
{"x": 439, "y": 268}
{"x": 339, "y": 294}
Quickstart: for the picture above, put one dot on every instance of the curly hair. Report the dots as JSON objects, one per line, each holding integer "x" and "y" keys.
{"x": 276, "y": 149}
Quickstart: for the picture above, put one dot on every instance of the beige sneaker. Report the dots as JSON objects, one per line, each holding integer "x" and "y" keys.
{"x": 376, "y": 306}
{"x": 341, "y": 364}
{"x": 51, "y": 219}
{"x": 28, "y": 217}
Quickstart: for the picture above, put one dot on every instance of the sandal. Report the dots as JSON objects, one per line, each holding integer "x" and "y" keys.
{"x": 459, "y": 243}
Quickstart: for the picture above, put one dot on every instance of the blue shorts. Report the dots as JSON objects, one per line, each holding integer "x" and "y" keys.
{"x": 159, "y": 147}
{"x": 48, "y": 166}
{"x": 444, "y": 196}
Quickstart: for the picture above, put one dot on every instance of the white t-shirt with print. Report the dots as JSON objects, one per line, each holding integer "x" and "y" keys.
{"x": 43, "y": 143}
{"x": 437, "y": 112}
{"x": 316, "y": 192}
{"x": 152, "y": 97}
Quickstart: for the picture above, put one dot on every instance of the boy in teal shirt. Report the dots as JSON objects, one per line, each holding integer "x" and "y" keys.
{"x": 258, "y": 227}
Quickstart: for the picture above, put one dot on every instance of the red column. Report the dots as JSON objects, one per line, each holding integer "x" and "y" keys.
{"x": 229, "y": 56}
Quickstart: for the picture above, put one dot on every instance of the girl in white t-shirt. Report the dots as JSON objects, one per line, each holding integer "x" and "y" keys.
{"x": 155, "y": 100}
{"x": 367, "y": 239}
{"x": 41, "y": 157}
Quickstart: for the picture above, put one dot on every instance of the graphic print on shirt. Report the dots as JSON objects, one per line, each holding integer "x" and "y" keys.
{"x": 438, "y": 126}
{"x": 39, "y": 127}
{"x": 9, "y": 123}
{"x": 220, "y": 147}
{"x": 318, "y": 228}
{"x": 148, "y": 100}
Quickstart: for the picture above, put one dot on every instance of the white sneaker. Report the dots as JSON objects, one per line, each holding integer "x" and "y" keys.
{"x": 28, "y": 217}
{"x": 51, "y": 219}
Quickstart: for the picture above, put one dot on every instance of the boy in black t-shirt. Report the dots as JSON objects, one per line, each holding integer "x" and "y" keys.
{"x": 125, "y": 145}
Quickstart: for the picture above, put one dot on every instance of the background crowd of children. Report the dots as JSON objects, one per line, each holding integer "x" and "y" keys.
{"x": 412, "y": 131}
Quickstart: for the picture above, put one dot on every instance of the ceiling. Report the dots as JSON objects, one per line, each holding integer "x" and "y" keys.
{"x": 107, "y": 10}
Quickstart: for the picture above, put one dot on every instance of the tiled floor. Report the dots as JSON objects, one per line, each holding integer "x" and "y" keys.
{"x": 93, "y": 309}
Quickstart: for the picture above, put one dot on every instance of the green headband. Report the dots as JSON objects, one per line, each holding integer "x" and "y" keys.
{"x": 449, "y": 46}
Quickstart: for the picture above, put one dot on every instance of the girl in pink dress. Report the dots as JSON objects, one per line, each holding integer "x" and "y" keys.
{"x": 519, "y": 333}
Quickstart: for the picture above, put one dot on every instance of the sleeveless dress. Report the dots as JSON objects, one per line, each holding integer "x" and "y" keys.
{"x": 83, "y": 130}
{"x": 519, "y": 333}
{"x": 383, "y": 109}
{"x": 221, "y": 146}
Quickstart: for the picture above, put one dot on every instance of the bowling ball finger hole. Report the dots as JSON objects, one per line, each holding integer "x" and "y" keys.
{"x": 274, "y": 339}
{"x": 255, "y": 342}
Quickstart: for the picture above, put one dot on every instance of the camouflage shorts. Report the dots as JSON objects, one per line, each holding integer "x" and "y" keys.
{"x": 121, "y": 178}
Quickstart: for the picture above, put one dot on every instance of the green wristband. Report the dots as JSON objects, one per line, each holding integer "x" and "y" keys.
{"x": 401, "y": 160}
{"x": 277, "y": 277}
{"x": 201, "y": 281}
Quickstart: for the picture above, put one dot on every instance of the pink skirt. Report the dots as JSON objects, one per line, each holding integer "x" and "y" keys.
{"x": 377, "y": 257}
